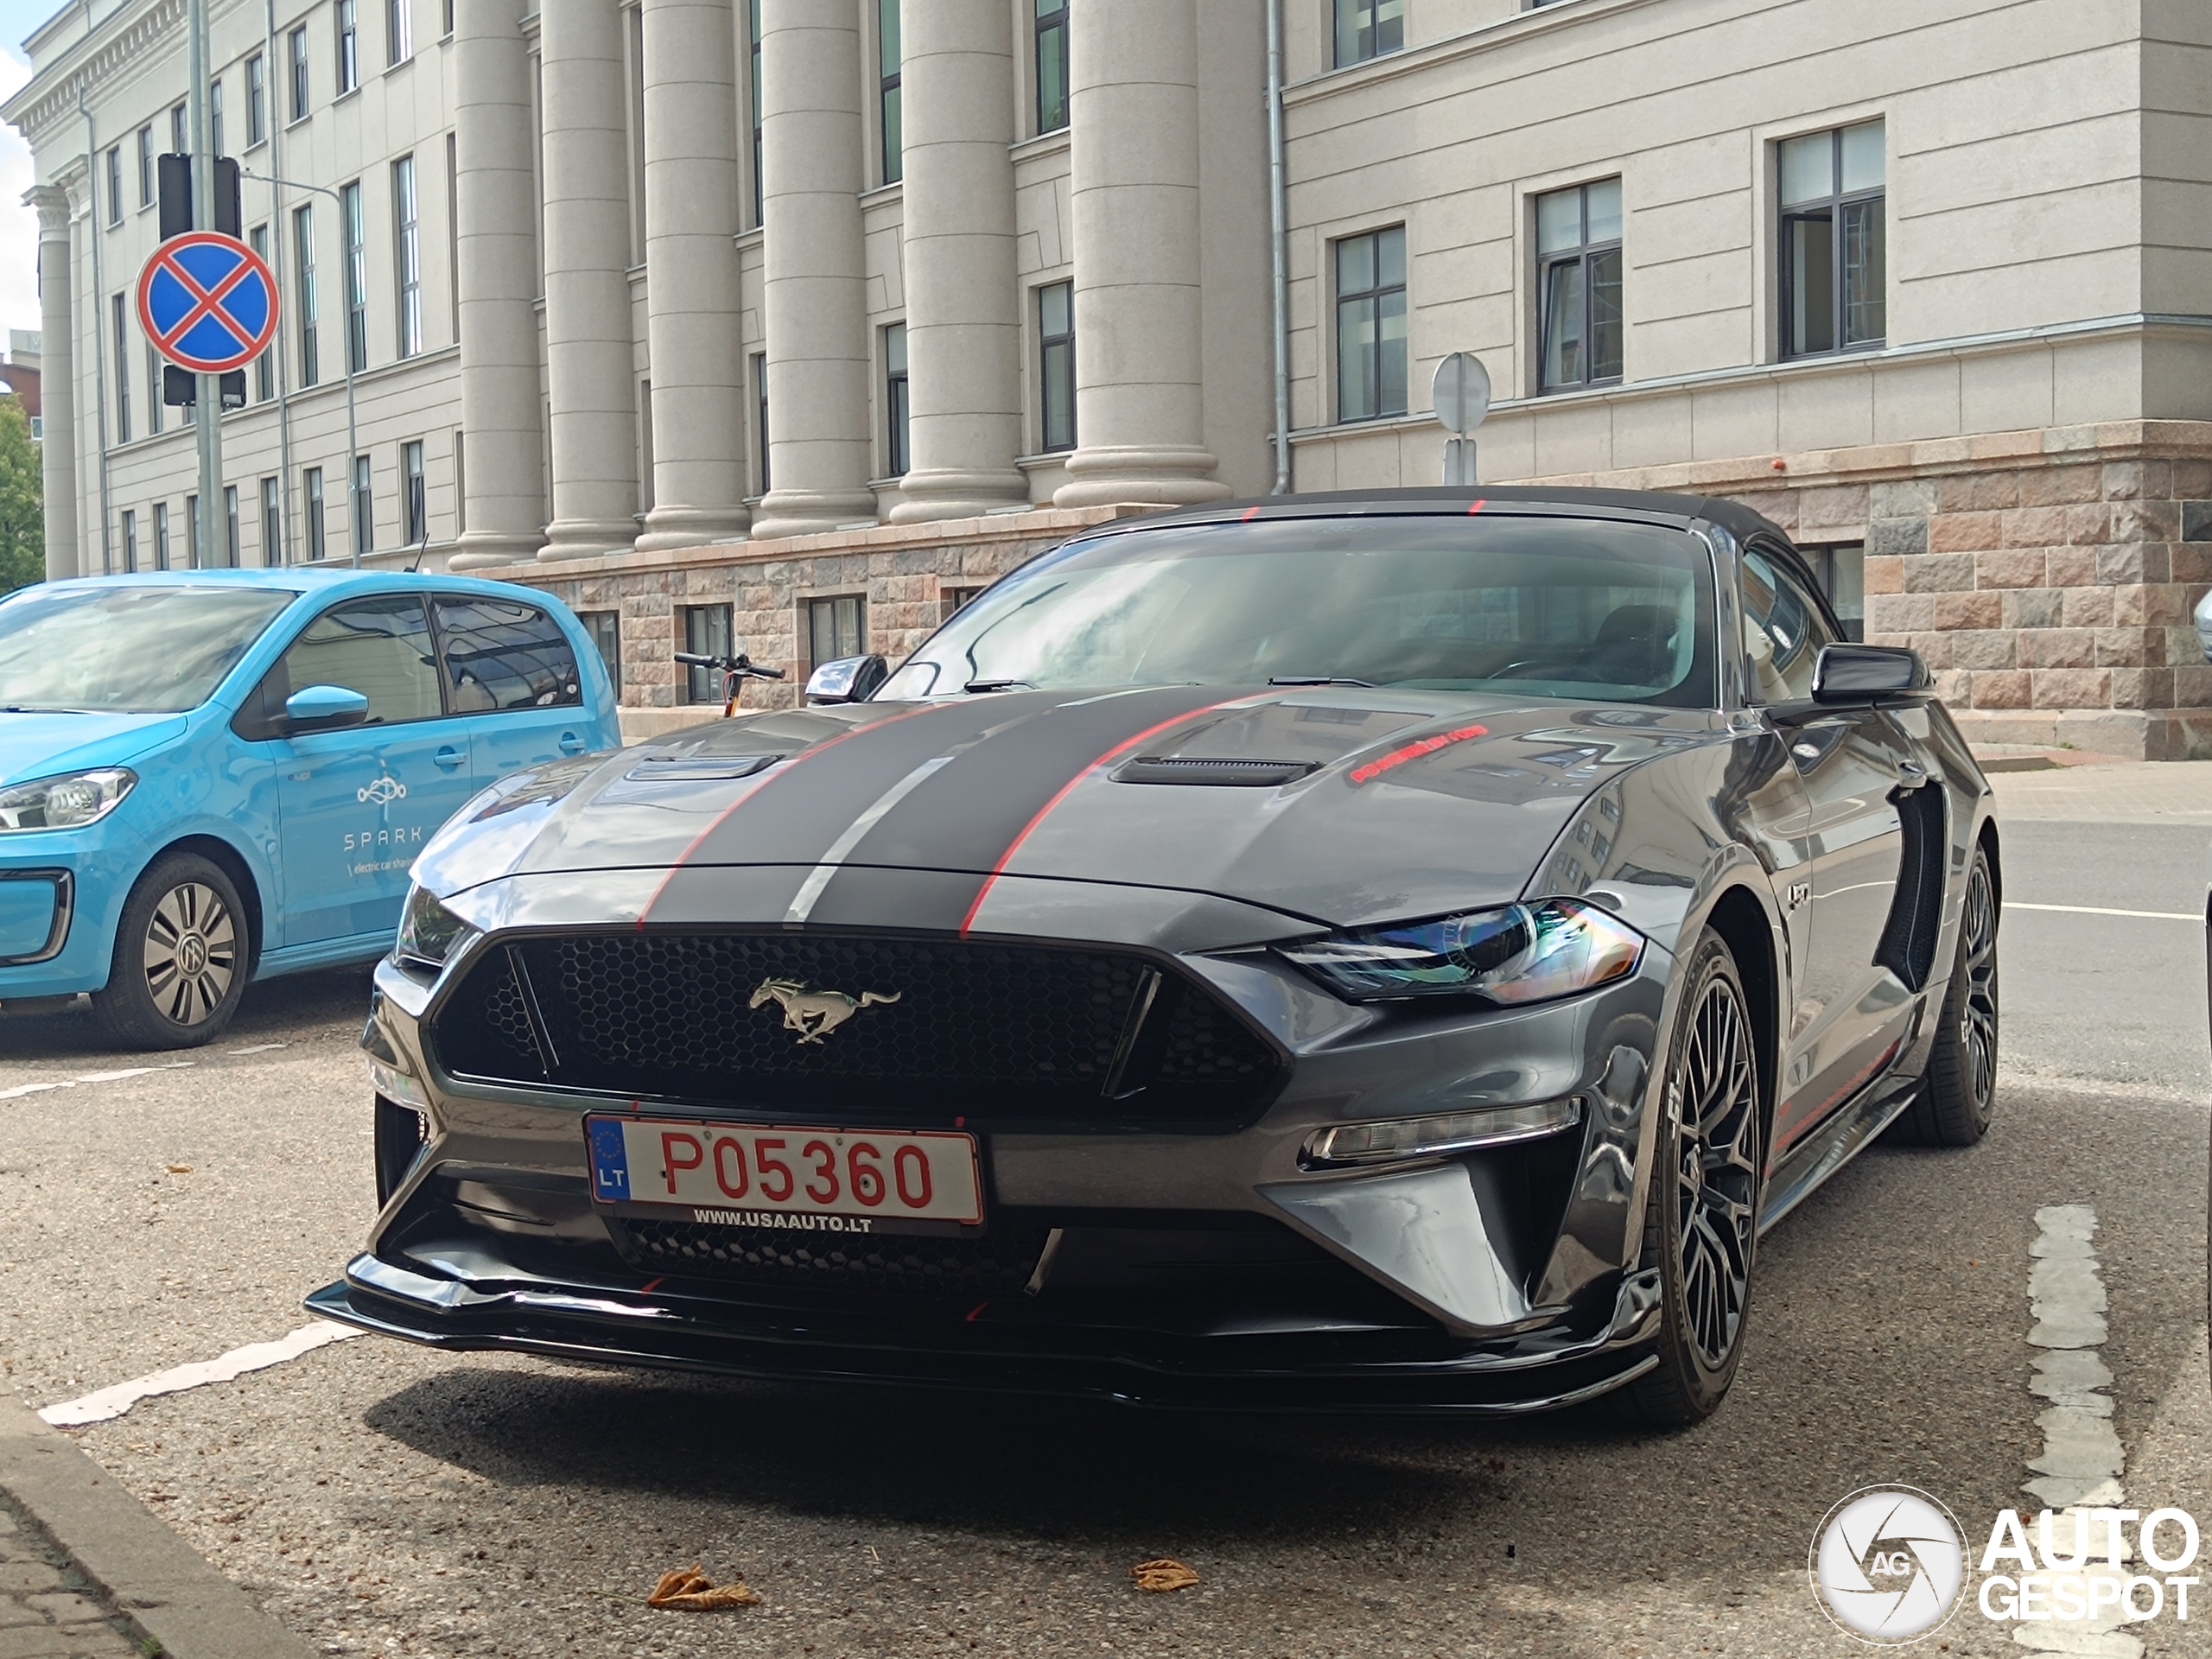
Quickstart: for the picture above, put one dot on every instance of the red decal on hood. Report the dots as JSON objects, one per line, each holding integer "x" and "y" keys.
{"x": 1414, "y": 751}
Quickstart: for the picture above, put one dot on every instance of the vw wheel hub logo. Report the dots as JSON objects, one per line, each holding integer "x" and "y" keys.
{"x": 1888, "y": 1564}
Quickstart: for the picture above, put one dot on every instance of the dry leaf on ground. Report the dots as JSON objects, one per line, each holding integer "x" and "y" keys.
{"x": 178, "y": 1169}
{"x": 1163, "y": 1575}
{"x": 690, "y": 1591}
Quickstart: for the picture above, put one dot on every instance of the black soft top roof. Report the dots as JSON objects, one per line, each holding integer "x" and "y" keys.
{"x": 1648, "y": 505}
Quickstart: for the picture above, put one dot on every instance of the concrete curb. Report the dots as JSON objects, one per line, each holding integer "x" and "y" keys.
{"x": 152, "y": 1576}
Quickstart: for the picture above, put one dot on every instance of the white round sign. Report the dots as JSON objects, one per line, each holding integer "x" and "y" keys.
{"x": 1888, "y": 1564}
{"x": 1460, "y": 392}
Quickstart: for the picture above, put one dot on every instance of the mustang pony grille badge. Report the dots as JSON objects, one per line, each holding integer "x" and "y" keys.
{"x": 814, "y": 1015}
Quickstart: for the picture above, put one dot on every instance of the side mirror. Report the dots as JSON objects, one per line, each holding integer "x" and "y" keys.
{"x": 324, "y": 708}
{"x": 1855, "y": 673}
{"x": 849, "y": 679}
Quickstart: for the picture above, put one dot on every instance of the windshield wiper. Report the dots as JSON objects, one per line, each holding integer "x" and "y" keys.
{"x": 979, "y": 686}
{"x": 1316, "y": 680}
{"x": 26, "y": 709}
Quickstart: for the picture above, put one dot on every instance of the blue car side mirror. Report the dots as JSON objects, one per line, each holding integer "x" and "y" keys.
{"x": 324, "y": 708}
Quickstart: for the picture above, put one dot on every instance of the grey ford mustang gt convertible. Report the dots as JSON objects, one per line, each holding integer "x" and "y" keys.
{"x": 1395, "y": 951}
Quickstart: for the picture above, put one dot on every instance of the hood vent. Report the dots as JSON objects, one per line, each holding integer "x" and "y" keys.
{"x": 1216, "y": 773}
{"x": 697, "y": 768}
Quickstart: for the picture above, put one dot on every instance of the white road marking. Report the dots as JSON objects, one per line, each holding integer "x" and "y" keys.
{"x": 21, "y": 1089}
{"x": 112, "y": 1403}
{"x": 2078, "y": 1474}
{"x": 2094, "y": 910}
{"x": 257, "y": 1048}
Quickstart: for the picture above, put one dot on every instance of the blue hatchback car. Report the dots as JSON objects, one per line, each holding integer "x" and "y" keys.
{"x": 211, "y": 776}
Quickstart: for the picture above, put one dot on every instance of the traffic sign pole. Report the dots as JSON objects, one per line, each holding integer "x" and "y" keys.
{"x": 208, "y": 407}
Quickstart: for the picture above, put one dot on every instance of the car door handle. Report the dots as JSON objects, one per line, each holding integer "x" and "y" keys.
{"x": 449, "y": 757}
{"x": 571, "y": 744}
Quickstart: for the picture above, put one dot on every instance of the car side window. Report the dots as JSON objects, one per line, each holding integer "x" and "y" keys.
{"x": 500, "y": 653}
{"x": 379, "y": 647}
{"x": 1783, "y": 630}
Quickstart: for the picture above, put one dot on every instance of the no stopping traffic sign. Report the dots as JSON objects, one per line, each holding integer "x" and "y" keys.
{"x": 207, "y": 301}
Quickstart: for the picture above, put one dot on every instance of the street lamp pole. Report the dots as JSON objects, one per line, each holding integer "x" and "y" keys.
{"x": 353, "y": 436}
{"x": 207, "y": 405}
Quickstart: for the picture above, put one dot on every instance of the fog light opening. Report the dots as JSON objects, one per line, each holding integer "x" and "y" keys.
{"x": 1353, "y": 1144}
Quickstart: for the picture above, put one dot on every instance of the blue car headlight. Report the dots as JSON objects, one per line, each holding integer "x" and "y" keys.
{"x": 68, "y": 801}
{"x": 428, "y": 932}
{"x": 1514, "y": 955}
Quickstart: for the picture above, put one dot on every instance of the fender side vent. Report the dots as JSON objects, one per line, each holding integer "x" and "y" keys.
{"x": 1219, "y": 774}
{"x": 1908, "y": 946}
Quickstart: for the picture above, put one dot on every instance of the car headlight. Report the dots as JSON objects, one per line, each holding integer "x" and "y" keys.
{"x": 428, "y": 930}
{"x": 65, "y": 803}
{"x": 1521, "y": 953}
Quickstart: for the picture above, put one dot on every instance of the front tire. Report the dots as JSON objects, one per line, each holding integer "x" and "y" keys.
{"x": 1959, "y": 1091}
{"x": 181, "y": 957}
{"x": 1700, "y": 1219}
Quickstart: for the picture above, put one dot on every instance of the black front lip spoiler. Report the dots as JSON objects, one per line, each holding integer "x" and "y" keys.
{"x": 585, "y": 1324}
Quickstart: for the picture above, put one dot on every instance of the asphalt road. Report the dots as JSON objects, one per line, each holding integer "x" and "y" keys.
{"x": 383, "y": 1499}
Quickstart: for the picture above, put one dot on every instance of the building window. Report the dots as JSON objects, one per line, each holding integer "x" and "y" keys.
{"x": 118, "y": 324}
{"x": 156, "y": 391}
{"x": 605, "y": 628}
{"x": 1841, "y": 572}
{"x": 304, "y": 300}
{"x": 215, "y": 115}
{"x": 357, "y": 277}
{"x": 446, "y": 26}
{"x": 192, "y": 532}
{"x": 149, "y": 175}
{"x": 349, "y": 48}
{"x": 180, "y": 133}
{"x": 953, "y": 600}
{"x": 256, "y": 99}
{"x": 231, "y": 525}
{"x": 1833, "y": 241}
{"x": 706, "y": 633}
{"x": 1368, "y": 28}
{"x": 835, "y": 628}
{"x": 160, "y": 535}
{"x": 264, "y": 366}
{"x": 759, "y": 211}
{"x": 272, "y": 524}
{"x": 1051, "y": 65}
{"x": 1056, "y": 367}
{"x": 760, "y": 412}
{"x": 417, "y": 502}
{"x": 886, "y": 46}
{"x": 399, "y": 29}
{"x": 129, "y": 541}
{"x": 408, "y": 226}
{"x": 460, "y": 483}
{"x": 299, "y": 39}
{"x": 453, "y": 234}
{"x": 896, "y": 402}
{"x": 1371, "y": 325}
{"x": 1578, "y": 285}
{"x": 365, "y": 516}
{"x": 311, "y": 488}
{"x": 115, "y": 184}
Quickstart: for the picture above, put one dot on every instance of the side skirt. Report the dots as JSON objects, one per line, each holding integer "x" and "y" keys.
{"x": 1832, "y": 1145}
{"x": 324, "y": 953}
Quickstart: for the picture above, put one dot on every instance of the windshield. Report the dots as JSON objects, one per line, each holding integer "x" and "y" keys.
{"x": 1527, "y": 607}
{"x": 126, "y": 649}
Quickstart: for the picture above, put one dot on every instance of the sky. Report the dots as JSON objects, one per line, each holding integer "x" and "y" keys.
{"x": 18, "y": 223}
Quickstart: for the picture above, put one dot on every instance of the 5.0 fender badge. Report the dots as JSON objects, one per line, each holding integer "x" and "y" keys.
{"x": 814, "y": 1015}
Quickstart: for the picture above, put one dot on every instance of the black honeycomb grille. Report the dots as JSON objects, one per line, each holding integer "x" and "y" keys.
{"x": 956, "y": 1270}
{"x": 938, "y": 1029}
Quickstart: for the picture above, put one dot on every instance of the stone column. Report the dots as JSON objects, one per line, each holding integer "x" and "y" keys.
{"x": 813, "y": 269}
{"x": 590, "y": 354}
{"x": 57, "y": 381}
{"x": 691, "y": 295}
{"x": 964, "y": 301}
{"x": 1133, "y": 200}
{"x": 497, "y": 278}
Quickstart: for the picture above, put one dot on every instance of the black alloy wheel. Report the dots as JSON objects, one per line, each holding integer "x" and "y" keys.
{"x": 1958, "y": 1093}
{"x": 1701, "y": 1215}
{"x": 181, "y": 957}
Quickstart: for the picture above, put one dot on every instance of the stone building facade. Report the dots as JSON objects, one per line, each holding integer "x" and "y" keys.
{"x": 649, "y": 294}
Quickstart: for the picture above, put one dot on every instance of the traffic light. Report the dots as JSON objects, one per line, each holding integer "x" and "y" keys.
{"x": 180, "y": 387}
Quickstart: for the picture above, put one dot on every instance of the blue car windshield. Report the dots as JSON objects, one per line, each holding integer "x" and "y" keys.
{"x": 126, "y": 649}
{"x": 1522, "y": 605}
